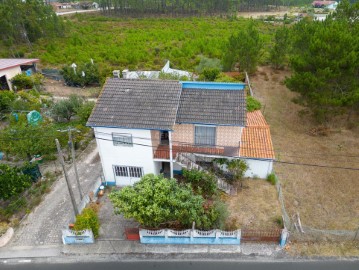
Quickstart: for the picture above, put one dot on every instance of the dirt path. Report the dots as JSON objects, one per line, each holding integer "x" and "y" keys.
{"x": 256, "y": 15}
{"x": 325, "y": 198}
{"x": 43, "y": 226}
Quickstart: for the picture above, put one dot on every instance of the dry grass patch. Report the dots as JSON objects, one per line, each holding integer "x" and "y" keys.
{"x": 344, "y": 249}
{"x": 325, "y": 198}
{"x": 255, "y": 207}
{"x": 57, "y": 88}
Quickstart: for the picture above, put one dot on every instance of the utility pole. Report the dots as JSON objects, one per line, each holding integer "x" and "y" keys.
{"x": 71, "y": 144}
{"x": 76, "y": 210}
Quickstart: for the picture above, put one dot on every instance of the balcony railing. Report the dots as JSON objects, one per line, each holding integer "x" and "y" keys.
{"x": 163, "y": 152}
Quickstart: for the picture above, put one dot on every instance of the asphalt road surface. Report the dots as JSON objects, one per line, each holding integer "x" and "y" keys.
{"x": 213, "y": 265}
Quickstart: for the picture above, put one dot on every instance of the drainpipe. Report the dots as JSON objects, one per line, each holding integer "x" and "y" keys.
{"x": 171, "y": 156}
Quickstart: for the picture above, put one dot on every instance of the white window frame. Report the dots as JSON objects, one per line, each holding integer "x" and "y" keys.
{"x": 122, "y": 139}
{"x": 128, "y": 171}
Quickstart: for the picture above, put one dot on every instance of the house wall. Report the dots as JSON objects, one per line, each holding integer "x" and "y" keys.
{"x": 10, "y": 73}
{"x": 258, "y": 168}
{"x": 228, "y": 136}
{"x": 137, "y": 155}
{"x": 183, "y": 133}
{"x": 225, "y": 135}
{"x": 155, "y": 138}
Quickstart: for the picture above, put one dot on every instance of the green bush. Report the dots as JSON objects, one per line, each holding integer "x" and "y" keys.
{"x": 209, "y": 74}
{"x": 88, "y": 219}
{"x": 203, "y": 183}
{"x": 271, "y": 178}
{"x": 12, "y": 181}
{"x": 66, "y": 108}
{"x": 253, "y": 104}
{"x": 22, "y": 81}
{"x": 85, "y": 111}
{"x": 86, "y": 74}
{"x": 6, "y": 99}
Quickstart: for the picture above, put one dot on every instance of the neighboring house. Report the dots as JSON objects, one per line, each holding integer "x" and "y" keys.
{"x": 141, "y": 126}
{"x": 9, "y": 68}
{"x": 325, "y": 4}
{"x": 126, "y": 74}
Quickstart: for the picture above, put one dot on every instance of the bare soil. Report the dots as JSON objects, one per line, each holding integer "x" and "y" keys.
{"x": 325, "y": 198}
{"x": 59, "y": 89}
{"x": 256, "y": 15}
{"x": 256, "y": 206}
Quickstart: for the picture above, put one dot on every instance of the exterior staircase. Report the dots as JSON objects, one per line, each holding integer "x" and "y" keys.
{"x": 186, "y": 160}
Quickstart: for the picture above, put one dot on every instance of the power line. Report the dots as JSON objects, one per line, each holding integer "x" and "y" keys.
{"x": 262, "y": 159}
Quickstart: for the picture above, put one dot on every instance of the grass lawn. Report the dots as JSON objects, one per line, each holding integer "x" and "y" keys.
{"x": 255, "y": 207}
{"x": 325, "y": 198}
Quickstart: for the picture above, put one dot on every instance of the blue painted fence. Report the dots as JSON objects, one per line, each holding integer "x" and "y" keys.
{"x": 194, "y": 237}
{"x": 70, "y": 237}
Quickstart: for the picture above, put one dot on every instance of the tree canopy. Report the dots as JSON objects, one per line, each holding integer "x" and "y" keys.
{"x": 325, "y": 63}
{"x": 27, "y": 21}
{"x": 244, "y": 48}
{"x": 156, "y": 202}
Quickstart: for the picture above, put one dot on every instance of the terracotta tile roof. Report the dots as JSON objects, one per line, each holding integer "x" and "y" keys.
{"x": 256, "y": 138}
{"x": 256, "y": 119}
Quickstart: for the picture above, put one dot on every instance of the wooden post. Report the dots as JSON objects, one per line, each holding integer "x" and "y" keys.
{"x": 76, "y": 211}
{"x": 74, "y": 162}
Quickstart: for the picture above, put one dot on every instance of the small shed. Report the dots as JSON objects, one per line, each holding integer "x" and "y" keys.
{"x": 10, "y": 67}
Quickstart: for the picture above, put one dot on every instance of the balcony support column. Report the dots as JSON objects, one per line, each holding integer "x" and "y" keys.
{"x": 171, "y": 155}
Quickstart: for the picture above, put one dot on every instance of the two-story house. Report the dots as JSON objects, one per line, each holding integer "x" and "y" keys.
{"x": 141, "y": 126}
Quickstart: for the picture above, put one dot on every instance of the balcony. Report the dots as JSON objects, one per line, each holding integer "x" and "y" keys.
{"x": 163, "y": 152}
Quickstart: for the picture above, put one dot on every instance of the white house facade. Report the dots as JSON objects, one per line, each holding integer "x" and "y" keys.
{"x": 142, "y": 126}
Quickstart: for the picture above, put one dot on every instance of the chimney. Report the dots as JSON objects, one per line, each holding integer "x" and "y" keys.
{"x": 124, "y": 73}
{"x": 116, "y": 73}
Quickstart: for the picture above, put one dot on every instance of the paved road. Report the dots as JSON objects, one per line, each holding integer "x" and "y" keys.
{"x": 43, "y": 226}
{"x": 189, "y": 265}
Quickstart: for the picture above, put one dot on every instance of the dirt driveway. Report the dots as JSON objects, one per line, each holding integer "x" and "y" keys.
{"x": 325, "y": 198}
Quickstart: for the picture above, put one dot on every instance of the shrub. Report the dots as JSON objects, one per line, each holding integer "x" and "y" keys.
{"x": 253, "y": 104}
{"x": 85, "y": 74}
{"x": 12, "y": 181}
{"x": 6, "y": 99}
{"x": 88, "y": 219}
{"x": 209, "y": 74}
{"x": 65, "y": 109}
{"x": 85, "y": 111}
{"x": 203, "y": 183}
{"x": 271, "y": 178}
{"x": 22, "y": 81}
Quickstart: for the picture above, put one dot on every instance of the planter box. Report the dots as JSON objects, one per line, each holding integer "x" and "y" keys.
{"x": 132, "y": 234}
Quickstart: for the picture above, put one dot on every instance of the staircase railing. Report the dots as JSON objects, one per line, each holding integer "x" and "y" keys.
{"x": 188, "y": 162}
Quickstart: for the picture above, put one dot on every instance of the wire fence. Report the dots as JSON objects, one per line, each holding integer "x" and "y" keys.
{"x": 301, "y": 232}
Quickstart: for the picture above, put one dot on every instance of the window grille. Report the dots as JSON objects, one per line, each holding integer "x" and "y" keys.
{"x": 122, "y": 139}
{"x": 121, "y": 171}
{"x": 135, "y": 172}
{"x": 125, "y": 171}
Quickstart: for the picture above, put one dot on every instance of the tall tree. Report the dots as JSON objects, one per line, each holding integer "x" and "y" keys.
{"x": 27, "y": 21}
{"x": 325, "y": 64}
{"x": 244, "y": 48}
{"x": 278, "y": 52}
